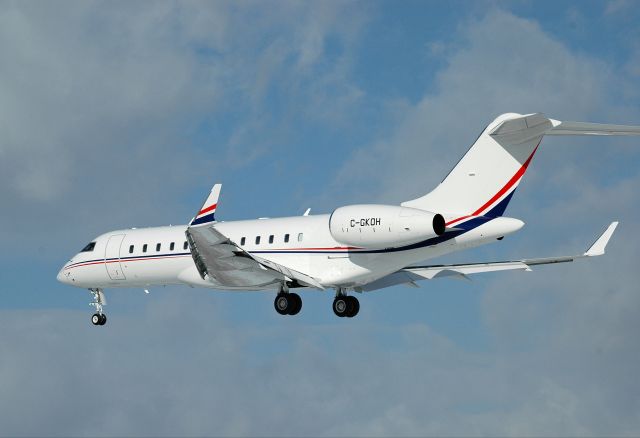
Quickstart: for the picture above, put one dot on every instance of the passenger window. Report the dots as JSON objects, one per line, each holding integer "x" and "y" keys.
{"x": 89, "y": 247}
{"x": 242, "y": 241}
{"x": 172, "y": 246}
{"x": 300, "y": 236}
{"x": 286, "y": 238}
{"x": 131, "y": 249}
{"x": 185, "y": 246}
{"x": 257, "y": 240}
{"x": 158, "y": 247}
{"x": 144, "y": 248}
{"x": 271, "y": 239}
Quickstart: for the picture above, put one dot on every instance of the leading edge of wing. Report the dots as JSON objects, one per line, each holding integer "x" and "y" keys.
{"x": 411, "y": 274}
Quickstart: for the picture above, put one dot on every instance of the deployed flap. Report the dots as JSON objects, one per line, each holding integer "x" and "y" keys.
{"x": 413, "y": 273}
{"x": 218, "y": 258}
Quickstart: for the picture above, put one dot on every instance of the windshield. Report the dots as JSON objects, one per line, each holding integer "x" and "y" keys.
{"x": 89, "y": 247}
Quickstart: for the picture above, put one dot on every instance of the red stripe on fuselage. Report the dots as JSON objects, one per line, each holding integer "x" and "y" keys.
{"x": 99, "y": 262}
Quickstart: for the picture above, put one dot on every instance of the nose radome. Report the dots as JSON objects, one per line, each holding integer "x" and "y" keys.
{"x": 61, "y": 277}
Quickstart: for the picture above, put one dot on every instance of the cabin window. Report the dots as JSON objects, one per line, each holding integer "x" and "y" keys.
{"x": 130, "y": 249}
{"x": 185, "y": 246}
{"x": 257, "y": 240}
{"x": 271, "y": 239}
{"x": 286, "y": 238}
{"x": 144, "y": 248}
{"x": 158, "y": 246}
{"x": 89, "y": 247}
{"x": 172, "y": 246}
{"x": 300, "y": 236}
{"x": 242, "y": 241}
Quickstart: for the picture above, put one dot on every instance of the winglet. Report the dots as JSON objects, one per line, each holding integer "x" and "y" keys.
{"x": 206, "y": 214}
{"x": 598, "y": 247}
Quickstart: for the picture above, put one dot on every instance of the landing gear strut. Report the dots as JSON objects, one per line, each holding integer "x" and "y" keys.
{"x": 99, "y": 300}
{"x": 345, "y": 305}
{"x": 287, "y": 303}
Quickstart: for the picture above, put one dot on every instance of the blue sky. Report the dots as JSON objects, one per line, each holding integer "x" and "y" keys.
{"x": 121, "y": 114}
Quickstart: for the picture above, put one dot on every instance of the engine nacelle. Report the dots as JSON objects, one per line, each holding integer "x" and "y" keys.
{"x": 383, "y": 226}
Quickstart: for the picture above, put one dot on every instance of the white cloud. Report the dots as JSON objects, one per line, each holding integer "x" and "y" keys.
{"x": 91, "y": 93}
{"x": 557, "y": 331}
{"x": 505, "y": 64}
{"x": 167, "y": 370}
{"x": 618, "y": 6}
{"x": 562, "y": 357}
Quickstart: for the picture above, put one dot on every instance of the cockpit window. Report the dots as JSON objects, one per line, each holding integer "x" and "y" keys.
{"x": 89, "y": 247}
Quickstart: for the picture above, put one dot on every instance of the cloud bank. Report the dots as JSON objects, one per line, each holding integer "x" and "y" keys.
{"x": 89, "y": 85}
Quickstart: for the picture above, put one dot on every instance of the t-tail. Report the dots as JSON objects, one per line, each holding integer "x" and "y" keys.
{"x": 485, "y": 179}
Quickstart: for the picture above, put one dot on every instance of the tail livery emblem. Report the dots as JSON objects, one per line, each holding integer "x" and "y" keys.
{"x": 207, "y": 212}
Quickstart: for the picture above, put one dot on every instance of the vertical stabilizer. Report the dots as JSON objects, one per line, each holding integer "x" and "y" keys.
{"x": 484, "y": 180}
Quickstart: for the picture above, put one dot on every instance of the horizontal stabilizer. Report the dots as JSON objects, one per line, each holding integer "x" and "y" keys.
{"x": 584, "y": 128}
{"x": 518, "y": 130}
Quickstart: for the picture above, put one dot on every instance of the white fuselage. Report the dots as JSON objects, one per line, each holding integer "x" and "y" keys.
{"x": 160, "y": 255}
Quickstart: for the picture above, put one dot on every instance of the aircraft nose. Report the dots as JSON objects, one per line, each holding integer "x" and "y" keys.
{"x": 61, "y": 277}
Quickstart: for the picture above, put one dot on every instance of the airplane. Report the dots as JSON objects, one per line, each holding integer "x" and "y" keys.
{"x": 355, "y": 249}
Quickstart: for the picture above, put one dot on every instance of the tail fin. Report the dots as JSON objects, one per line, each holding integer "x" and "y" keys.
{"x": 484, "y": 180}
{"x": 206, "y": 214}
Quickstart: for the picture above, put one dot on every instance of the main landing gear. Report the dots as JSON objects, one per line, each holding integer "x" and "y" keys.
{"x": 287, "y": 303}
{"x": 345, "y": 305}
{"x": 99, "y": 300}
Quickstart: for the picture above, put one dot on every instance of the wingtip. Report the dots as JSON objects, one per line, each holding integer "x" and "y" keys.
{"x": 206, "y": 214}
{"x": 599, "y": 246}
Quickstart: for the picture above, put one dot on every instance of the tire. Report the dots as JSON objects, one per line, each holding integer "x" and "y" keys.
{"x": 354, "y": 308}
{"x": 103, "y": 319}
{"x": 296, "y": 304}
{"x": 95, "y": 319}
{"x": 341, "y": 306}
{"x": 282, "y": 304}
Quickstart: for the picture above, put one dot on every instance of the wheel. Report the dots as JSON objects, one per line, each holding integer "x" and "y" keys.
{"x": 282, "y": 304}
{"x": 103, "y": 319}
{"x": 295, "y": 304}
{"x": 96, "y": 319}
{"x": 341, "y": 306}
{"x": 354, "y": 307}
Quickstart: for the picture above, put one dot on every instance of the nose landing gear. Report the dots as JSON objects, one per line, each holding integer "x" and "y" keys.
{"x": 99, "y": 300}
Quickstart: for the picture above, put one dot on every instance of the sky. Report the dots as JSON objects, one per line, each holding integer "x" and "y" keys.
{"x": 124, "y": 113}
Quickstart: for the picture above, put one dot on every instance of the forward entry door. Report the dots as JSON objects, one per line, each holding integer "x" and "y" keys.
{"x": 112, "y": 257}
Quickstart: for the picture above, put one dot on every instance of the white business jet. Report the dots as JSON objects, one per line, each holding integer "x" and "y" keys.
{"x": 357, "y": 248}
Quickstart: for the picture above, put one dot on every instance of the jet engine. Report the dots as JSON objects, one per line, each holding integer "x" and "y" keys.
{"x": 383, "y": 226}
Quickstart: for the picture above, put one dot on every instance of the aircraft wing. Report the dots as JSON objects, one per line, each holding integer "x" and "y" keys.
{"x": 411, "y": 274}
{"x": 220, "y": 259}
